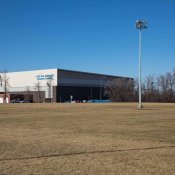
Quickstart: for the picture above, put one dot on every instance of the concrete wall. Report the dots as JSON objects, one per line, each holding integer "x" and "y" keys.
{"x": 30, "y": 78}
{"x": 20, "y": 81}
{"x": 36, "y": 97}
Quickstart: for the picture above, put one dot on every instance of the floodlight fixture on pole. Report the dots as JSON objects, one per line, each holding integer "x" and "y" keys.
{"x": 140, "y": 25}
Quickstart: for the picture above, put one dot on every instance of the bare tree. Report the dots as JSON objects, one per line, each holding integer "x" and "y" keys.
{"x": 136, "y": 89}
{"x": 4, "y": 79}
{"x": 149, "y": 88}
{"x": 173, "y": 73}
{"x": 166, "y": 86}
{"x": 38, "y": 88}
{"x": 170, "y": 83}
{"x": 28, "y": 96}
{"x": 120, "y": 90}
{"x": 158, "y": 89}
{"x": 162, "y": 83}
{"x": 0, "y": 80}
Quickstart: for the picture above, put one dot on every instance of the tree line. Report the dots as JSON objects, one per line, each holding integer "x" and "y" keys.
{"x": 154, "y": 89}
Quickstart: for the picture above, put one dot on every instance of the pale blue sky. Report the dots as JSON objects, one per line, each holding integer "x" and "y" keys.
{"x": 93, "y": 36}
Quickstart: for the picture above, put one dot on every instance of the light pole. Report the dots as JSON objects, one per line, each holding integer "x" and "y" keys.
{"x": 140, "y": 25}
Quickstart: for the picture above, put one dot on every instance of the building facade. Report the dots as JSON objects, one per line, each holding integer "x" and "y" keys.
{"x": 54, "y": 85}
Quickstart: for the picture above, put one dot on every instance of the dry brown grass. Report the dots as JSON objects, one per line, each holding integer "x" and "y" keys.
{"x": 87, "y": 139}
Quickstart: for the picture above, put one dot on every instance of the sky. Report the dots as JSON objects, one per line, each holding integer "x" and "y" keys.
{"x": 87, "y": 35}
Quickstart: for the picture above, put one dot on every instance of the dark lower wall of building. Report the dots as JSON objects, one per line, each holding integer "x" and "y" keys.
{"x": 79, "y": 93}
{"x": 33, "y": 96}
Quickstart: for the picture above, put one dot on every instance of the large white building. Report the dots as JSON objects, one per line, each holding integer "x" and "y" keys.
{"x": 56, "y": 85}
